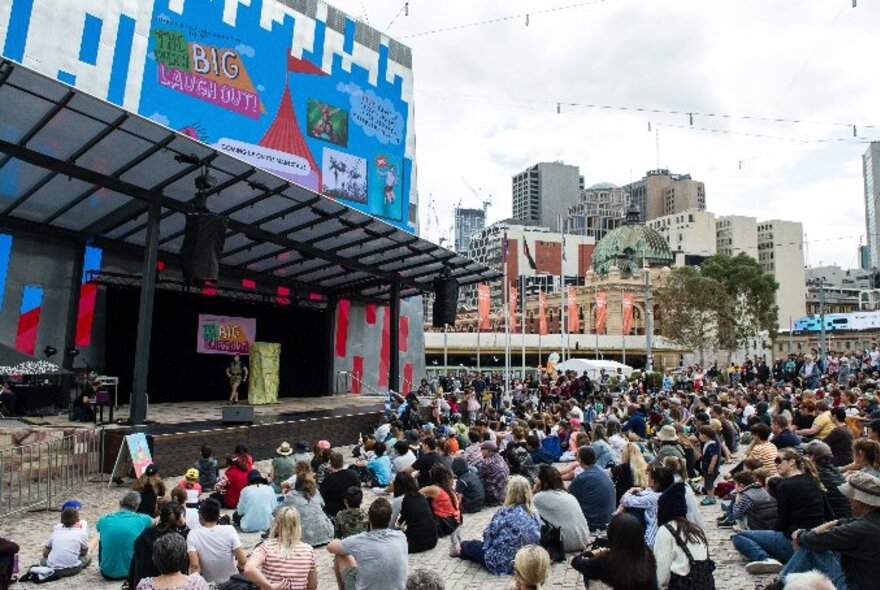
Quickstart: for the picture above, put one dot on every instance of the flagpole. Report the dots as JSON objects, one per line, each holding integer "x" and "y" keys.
{"x": 479, "y": 329}
{"x": 562, "y": 289}
{"x": 506, "y": 317}
{"x": 522, "y": 323}
{"x": 622, "y": 325}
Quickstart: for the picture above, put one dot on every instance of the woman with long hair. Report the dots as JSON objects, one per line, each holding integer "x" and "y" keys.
{"x": 800, "y": 503}
{"x": 531, "y": 568}
{"x": 284, "y": 560}
{"x": 866, "y": 457}
{"x": 415, "y": 516}
{"x": 513, "y": 526}
{"x": 315, "y": 527}
{"x": 632, "y": 472}
{"x": 627, "y": 564}
{"x": 560, "y": 509}
{"x": 172, "y": 519}
{"x": 680, "y": 544}
{"x": 643, "y": 502}
{"x": 444, "y": 501}
{"x": 679, "y": 472}
{"x": 151, "y": 487}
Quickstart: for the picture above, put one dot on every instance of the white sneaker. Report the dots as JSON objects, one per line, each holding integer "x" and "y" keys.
{"x": 766, "y": 566}
{"x": 455, "y": 544}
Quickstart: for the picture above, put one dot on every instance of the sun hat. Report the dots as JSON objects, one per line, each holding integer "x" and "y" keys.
{"x": 324, "y": 444}
{"x": 192, "y": 473}
{"x": 667, "y": 434}
{"x": 863, "y": 488}
{"x": 284, "y": 449}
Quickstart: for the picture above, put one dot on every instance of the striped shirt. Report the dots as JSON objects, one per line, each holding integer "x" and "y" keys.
{"x": 766, "y": 452}
{"x": 291, "y": 573}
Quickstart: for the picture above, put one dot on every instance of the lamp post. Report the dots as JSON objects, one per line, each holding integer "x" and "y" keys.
{"x": 649, "y": 327}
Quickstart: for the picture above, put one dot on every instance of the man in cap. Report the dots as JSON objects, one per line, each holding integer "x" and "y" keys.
{"x": 845, "y": 550}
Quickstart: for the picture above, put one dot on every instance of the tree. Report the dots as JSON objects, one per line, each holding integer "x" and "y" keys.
{"x": 337, "y": 166}
{"x": 750, "y": 306}
{"x": 693, "y": 307}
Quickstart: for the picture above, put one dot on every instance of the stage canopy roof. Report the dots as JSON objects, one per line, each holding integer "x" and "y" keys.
{"x": 84, "y": 169}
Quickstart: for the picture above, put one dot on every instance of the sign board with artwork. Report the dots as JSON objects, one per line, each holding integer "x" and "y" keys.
{"x": 220, "y": 334}
{"x": 299, "y": 89}
{"x": 134, "y": 453}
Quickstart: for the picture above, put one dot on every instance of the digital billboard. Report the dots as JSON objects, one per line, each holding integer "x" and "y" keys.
{"x": 296, "y": 88}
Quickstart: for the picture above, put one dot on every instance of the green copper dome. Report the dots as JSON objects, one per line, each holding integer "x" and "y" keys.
{"x": 629, "y": 246}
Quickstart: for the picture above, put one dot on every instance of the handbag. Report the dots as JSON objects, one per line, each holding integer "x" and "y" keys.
{"x": 700, "y": 576}
{"x": 551, "y": 540}
{"x": 238, "y": 582}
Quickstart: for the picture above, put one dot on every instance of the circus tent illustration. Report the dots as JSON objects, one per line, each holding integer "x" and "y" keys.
{"x": 285, "y": 134}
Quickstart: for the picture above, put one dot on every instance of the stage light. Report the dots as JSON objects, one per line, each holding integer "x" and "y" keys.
{"x": 50, "y": 351}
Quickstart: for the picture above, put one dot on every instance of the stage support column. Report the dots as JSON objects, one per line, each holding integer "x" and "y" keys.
{"x": 67, "y": 359}
{"x": 138, "y": 411}
{"x": 394, "y": 338}
{"x": 330, "y": 351}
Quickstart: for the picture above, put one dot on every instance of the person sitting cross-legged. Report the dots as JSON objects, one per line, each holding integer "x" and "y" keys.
{"x": 845, "y": 550}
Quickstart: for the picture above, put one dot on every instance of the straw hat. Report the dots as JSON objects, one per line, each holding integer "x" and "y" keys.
{"x": 667, "y": 434}
{"x": 284, "y": 449}
{"x": 863, "y": 488}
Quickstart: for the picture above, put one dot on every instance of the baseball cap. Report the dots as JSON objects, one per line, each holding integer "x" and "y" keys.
{"x": 72, "y": 504}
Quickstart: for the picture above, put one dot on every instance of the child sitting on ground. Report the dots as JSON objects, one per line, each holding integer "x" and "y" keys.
{"x": 352, "y": 520}
{"x": 207, "y": 468}
{"x": 190, "y": 483}
{"x": 66, "y": 551}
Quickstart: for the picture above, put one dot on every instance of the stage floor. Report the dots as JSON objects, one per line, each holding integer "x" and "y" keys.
{"x": 201, "y": 415}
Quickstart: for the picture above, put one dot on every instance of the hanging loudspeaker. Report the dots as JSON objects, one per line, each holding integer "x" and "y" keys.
{"x": 445, "y": 301}
{"x": 203, "y": 241}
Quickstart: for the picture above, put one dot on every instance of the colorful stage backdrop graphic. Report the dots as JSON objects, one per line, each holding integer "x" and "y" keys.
{"x": 225, "y": 335}
{"x": 280, "y": 89}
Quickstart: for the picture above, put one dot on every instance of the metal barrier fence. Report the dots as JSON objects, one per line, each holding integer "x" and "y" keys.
{"x": 40, "y": 474}
{"x": 345, "y": 380}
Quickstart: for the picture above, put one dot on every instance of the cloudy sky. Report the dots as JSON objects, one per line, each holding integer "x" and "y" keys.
{"x": 486, "y": 101}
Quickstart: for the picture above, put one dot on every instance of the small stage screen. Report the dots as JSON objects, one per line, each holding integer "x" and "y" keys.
{"x": 220, "y": 334}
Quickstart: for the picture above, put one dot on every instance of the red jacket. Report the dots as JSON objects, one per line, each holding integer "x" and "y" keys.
{"x": 237, "y": 481}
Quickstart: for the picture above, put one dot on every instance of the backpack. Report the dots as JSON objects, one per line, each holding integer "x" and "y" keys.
{"x": 762, "y": 515}
{"x": 552, "y": 446}
{"x": 551, "y": 540}
{"x": 700, "y": 576}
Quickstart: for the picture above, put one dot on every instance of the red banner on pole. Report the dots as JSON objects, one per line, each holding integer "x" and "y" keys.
{"x": 512, "y": 305}
{"x": 542, "y": 314}
{"x": 628, "y": 301}
{"x": 483, "y": 307}
{"x": 574, "y": 322}
{"x": 601, "y": 312}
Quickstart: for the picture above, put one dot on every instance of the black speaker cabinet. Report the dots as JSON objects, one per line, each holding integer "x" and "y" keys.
{"x": 203, "y": 241}
{"x": 238, "y": 414}
{"x": 445, "y": 301}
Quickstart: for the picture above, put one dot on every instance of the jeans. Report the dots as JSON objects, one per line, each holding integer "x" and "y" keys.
{"x": 761, "y": 545}
{"x": 827, "y": 562}
{"x": 473, "y": 551}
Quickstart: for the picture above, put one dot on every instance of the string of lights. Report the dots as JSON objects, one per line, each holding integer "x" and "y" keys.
{"x": 691, "y": 115}
{"x": 523, "y": 16}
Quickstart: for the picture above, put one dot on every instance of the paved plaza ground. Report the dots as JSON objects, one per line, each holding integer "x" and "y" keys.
{"x": 30, "y": 531}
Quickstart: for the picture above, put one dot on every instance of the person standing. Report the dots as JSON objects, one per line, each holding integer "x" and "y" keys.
{"x": 237, "y": 374}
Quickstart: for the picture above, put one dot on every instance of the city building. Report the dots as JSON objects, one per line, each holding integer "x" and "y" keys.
{"x": 661, "y": 193}
{"x": 871, "y": 174}
{"x": 545, "y": 191}
{"x": 600, "y": 209}
{"x": 691, "y": 235}
{"x": 467, "y": 223}
{"x": 534, "y": 252}
{"x": 864, "y": 257}
{"x": 781, "y": 254}
{"x": 735, "y": 234}
{"x": 845, "y": 290}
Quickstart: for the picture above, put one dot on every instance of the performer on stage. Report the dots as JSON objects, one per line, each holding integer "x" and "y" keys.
{"x": 237, "y": 373}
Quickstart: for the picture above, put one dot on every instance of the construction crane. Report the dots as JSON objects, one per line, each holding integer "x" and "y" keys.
{"x": 485, "y": 201}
